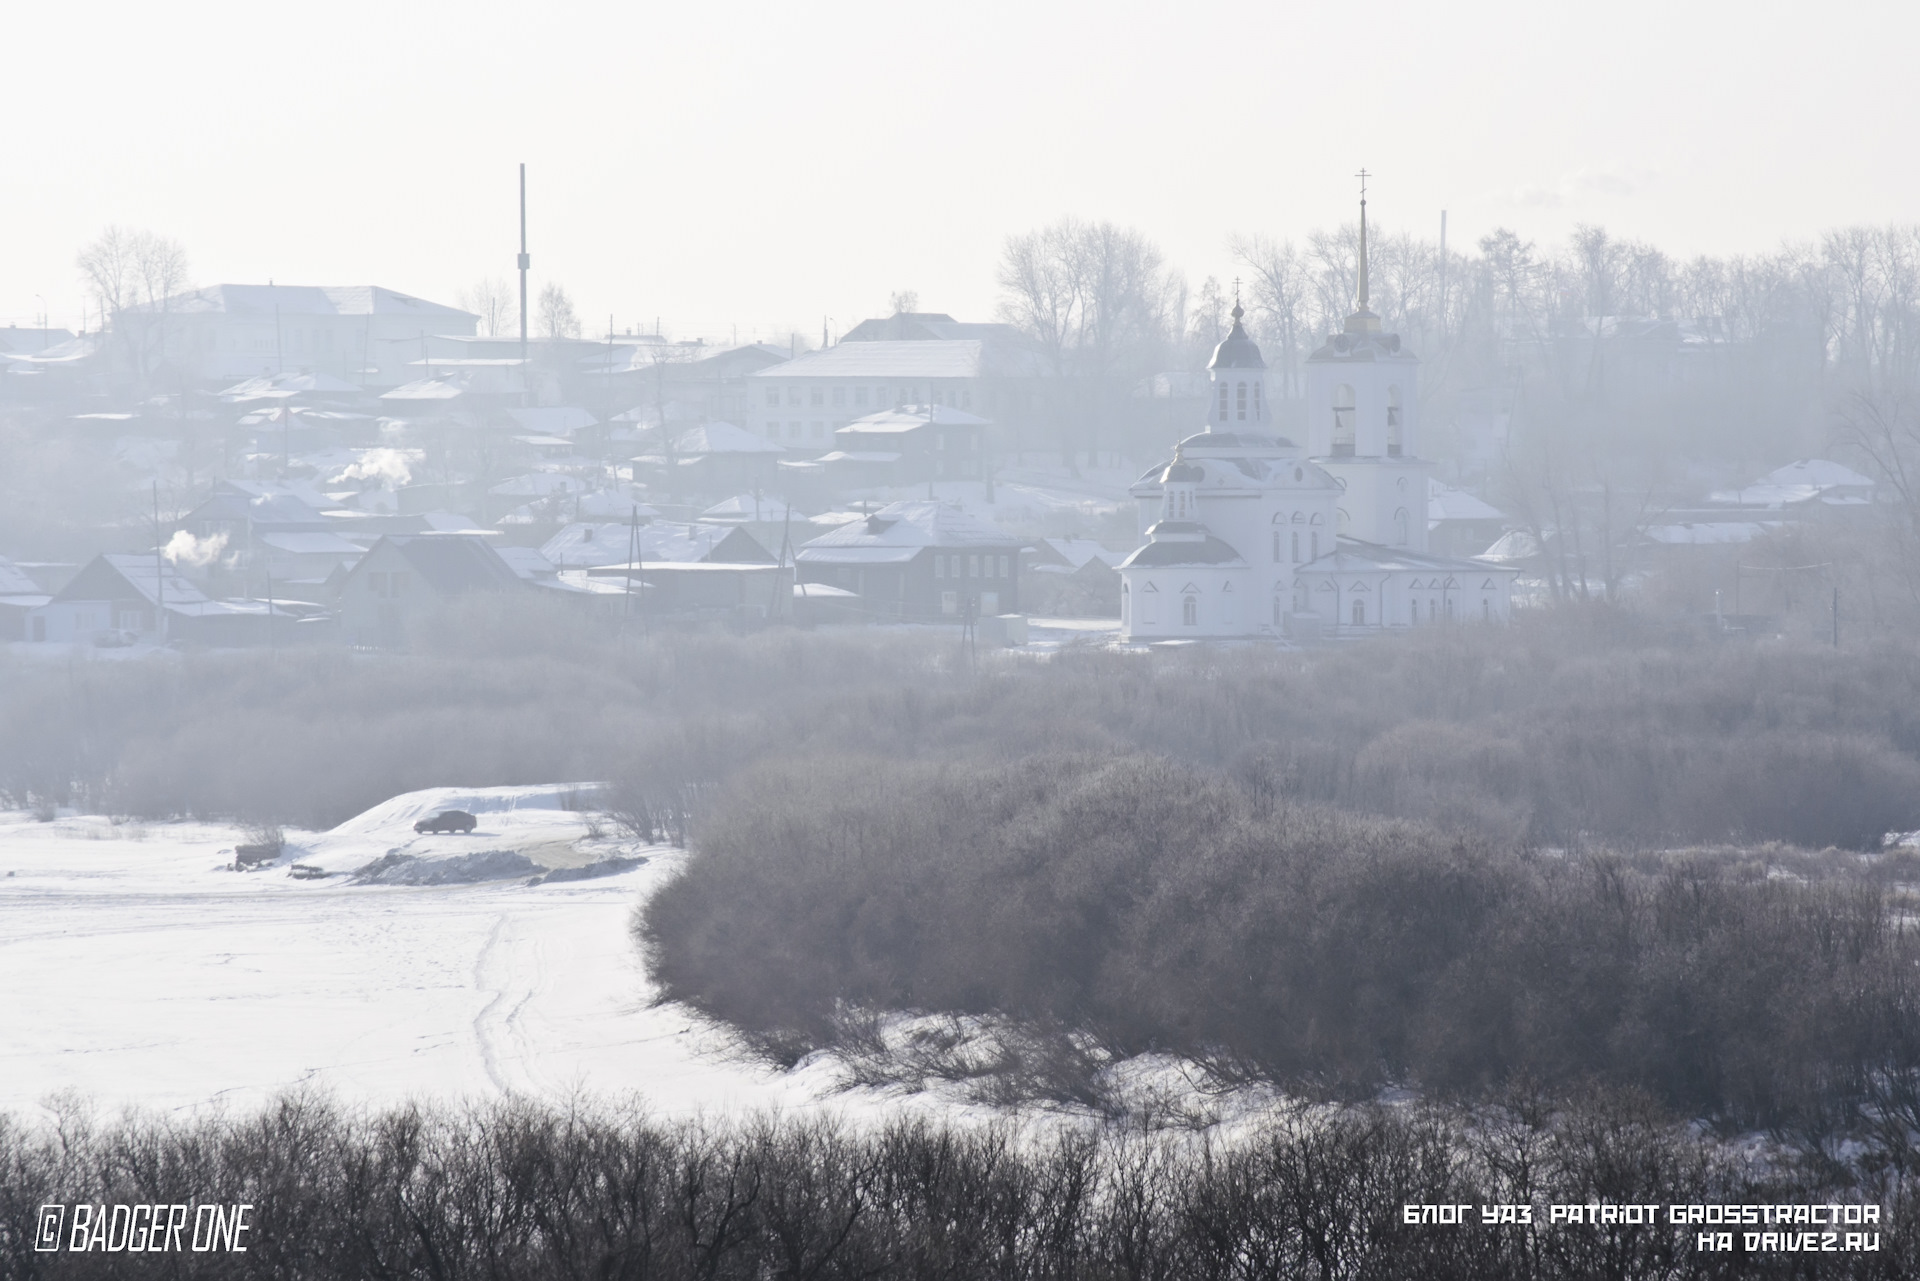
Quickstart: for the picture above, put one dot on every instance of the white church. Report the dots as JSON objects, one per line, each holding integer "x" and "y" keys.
{"x": 1249, "y": 535}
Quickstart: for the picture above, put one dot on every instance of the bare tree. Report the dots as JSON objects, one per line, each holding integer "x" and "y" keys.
{"x": 133, "y": 277}
{"x": 497, "y": 305}
{"x": 1098, "y": 303}
{"x": 557, "y": 317}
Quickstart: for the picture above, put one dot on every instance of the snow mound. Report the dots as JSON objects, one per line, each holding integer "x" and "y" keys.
{"x": 543, "y": 823}
{"x": 403, "y": 811}
{"x": 456, "y": 869}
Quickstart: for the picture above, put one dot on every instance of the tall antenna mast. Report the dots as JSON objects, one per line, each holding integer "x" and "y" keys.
{"x": 525, "y": 262}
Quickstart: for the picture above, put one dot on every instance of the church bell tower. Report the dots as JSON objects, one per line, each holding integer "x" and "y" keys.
{"x": 1363, "y": 410}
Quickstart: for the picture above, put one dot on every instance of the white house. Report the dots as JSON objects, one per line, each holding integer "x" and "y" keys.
{"x": 1249, "y": 535}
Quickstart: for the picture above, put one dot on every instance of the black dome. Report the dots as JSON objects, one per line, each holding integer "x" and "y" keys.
{"x": 1180, "y": 470}
{"x": 1236, "y": 350}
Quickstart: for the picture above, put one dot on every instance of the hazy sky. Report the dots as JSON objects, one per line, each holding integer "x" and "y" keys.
{"x": 765, "y": 165}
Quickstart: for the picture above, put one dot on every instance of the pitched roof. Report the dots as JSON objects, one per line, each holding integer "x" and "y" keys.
{"x": 935, "y": 358}
{"x": 722, "y": 438}
{"x": 910, "y": 418}
{"x": 909, "y": 525}
{"x": 146, "y": 575}
{"x": 304, "y": 300}
{"x": 452, "y": 563}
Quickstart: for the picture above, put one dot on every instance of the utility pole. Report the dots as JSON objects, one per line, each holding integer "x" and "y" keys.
{"x": 525, "y": 262}
{"x": 159, "y": 570}
{"x": 1836, "y": 616}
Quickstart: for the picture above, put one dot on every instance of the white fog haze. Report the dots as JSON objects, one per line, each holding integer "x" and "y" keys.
{"x": 772, "y": 164}
{"x": 979, "y": 640}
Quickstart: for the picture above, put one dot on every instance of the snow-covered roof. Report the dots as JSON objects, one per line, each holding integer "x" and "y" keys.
{"x": 147, "y": 575}
{"x": 585, "y": 544}
{"x": 559, "y": 420}
{"x": 306, "y": 300}
{"x": 909, "y": 418}
{"x": 722, "y": 438}
{"x": 933, "y": 358}
{"x": 15, "y": 581}
{"x": 859, "y": 456}
{"x": 428, "y": 389}
{"x": 1717, "y": 533}
{"x": 538, "y": 484}
{"x": 527, "y": 562}
{"x": 1350, "y": 555}
{"x": 321, "y": 544}
{"x": 285, "y": 386}
{"x": 747, "y": 507}
{"x": 909, "y": 525}
{"x": 1077, "y": 552}
{"x": 1181, "y": 543}
{"x": 1446, "y": 503}
{"x": 1819, "y": 472}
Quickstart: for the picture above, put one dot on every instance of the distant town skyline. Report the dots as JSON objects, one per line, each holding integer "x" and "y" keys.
{"x": 779, "y": 166}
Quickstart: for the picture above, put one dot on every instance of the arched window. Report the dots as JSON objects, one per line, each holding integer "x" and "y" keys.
{"x": 1395, "y": 431}
{"x": 1400, "y": 527}
{"x": 1486, "y": 611}
{"x": 1222, "y": 415}
{"x": 1126, "y": 605}
{"x": 1190, "y": 611}
{"x": 1359, "y": 613}
{"x": 1279, "y": 609}
{"x": 1343, "y": 413}
{"x": 1276, "y": 547}
{"x": 1256, "y": 400}
{"x": 1240, "y": 398}
{"x": 1316, "y": 546}
{"x": 1296, "y": 547}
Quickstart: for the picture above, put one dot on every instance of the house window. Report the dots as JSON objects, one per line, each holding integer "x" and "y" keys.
{"x": 973, "y": 567}
{"x": 819, "y": 397}
{"x": 1240, "y": 399}
{"x": 859, "y": 395}
{"x": 839, "y": 395}
{"x": 1006, "y": 568}
{"x": 1359, "y": 613}
{"x": 1190, "y": 611}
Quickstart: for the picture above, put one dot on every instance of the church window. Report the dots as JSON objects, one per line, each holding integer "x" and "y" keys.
{"x": 1276, "y": 547}
{"x": 1223, "y": 403}
{"x": 1400, "y": 527}
{"x": 1395, "y": 438}
{"x": 1278, "y": 610}
{"x": 1190, "y": 611}
{"x": 1359, "y": 613}
{"x": 1316, "y": 546}
{"x": 1486, "y": 611}
{"x": 1241, "y": 399}
{"x": 1296, "y": 547}
{"x": 1343, "y": 415}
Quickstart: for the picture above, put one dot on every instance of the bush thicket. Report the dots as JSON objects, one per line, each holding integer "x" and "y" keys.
{"x": 1550, "y": 731}
{"x": 1159, "y": 910}
{"x": 522, "y": 1191}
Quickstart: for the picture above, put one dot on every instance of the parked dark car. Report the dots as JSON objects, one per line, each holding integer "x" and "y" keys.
{"x": 447, "y": 821}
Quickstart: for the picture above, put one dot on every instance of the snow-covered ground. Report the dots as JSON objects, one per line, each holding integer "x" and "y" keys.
{"x": 140, "y": 970}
